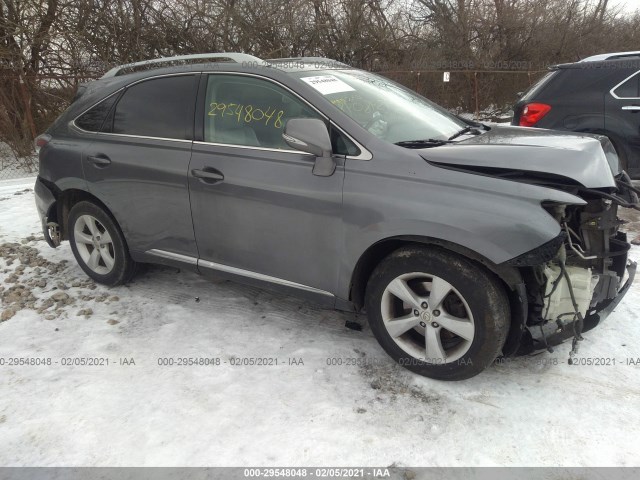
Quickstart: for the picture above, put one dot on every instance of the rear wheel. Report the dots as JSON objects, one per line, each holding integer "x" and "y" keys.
{"x": 98, "y": 245}
{"x": 437, "y": 313}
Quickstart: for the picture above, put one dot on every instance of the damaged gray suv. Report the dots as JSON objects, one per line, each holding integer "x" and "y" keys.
{"x": 462, "y": 242}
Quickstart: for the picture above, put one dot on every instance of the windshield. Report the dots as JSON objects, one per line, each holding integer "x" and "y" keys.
{"x": 384, "y": 108}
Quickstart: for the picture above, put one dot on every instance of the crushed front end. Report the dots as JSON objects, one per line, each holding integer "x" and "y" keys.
{"x": 588, "y": 274}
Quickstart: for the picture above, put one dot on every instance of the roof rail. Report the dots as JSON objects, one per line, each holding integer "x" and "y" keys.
{"x": 317, "y": 60}
{"x": 234, "y": 57}
{"x": 610, "y": 56}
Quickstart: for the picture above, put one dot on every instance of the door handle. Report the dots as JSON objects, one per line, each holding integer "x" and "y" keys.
{"x": 100, "y": 161}
{"x": 208, "y": 175}
{"x": 633, "y": 108}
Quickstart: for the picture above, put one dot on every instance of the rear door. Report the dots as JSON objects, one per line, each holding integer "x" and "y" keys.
{"x": 258, "y": 210}
{"x": 622, "y": 107}
{"x": 137, "y": 165}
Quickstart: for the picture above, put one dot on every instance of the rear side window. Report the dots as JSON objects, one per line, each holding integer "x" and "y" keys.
{"x": 93, "y": 119}
{"x": 539, "y": 85}
{"x": 630, "y": 88}
{"x": 159, "y": 107}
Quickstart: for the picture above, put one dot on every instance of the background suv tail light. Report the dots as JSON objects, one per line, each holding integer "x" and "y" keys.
{"x": 532, "y": 113}
{"x": 41, "y": 141}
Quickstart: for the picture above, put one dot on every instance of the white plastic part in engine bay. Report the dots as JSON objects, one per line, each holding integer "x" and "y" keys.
{"x": 559, "y": 303}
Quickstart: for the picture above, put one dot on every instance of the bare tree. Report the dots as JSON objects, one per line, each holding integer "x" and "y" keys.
{"x": 48, "y": 47}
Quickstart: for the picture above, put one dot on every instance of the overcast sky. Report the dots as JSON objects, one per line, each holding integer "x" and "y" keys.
{"x": 628, "y": 5}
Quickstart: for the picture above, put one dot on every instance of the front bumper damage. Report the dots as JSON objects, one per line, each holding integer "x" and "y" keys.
{"x": 532, "y": 340}
{"x": 575, "y": 281}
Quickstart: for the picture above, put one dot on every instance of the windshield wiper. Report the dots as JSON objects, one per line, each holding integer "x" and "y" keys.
{"x": 473, "y": 123}
{"x": 427, "y": 142}
{"x": 469, "y": 129}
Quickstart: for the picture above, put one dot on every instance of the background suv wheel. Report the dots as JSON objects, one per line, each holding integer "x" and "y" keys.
{"x": 98, "y": 245}
{"x": 437, "y": 313}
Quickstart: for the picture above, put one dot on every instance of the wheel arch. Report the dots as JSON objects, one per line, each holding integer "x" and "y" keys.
{"x": 65, "y": 200}
{"x": 367, "y": 262}
{"x": 510, "y": 277}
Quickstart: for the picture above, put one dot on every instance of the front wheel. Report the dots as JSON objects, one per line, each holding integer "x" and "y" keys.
{"x": 98, "y": 245}
{"x": 437, "y": 313}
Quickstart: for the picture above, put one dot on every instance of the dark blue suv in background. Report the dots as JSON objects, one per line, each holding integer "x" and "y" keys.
{"x": 600, "y": 94}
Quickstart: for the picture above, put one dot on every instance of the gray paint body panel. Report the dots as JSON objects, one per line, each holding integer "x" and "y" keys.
{"x": 270, "y": 214}
{"x": 579, "y": 157}
{"x": 495, "y": 218}
{"x": 145, "y": 188}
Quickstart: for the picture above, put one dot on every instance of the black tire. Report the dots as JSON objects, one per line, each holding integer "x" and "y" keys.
{"x": 484, "y": 295}
{"x": 123, "y": 267}
{"x": 624, "y": 162}
{"x": 622, "y": 155}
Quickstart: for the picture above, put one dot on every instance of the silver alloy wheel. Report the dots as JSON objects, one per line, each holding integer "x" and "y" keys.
{"x": 427, "y": 317}
{"x": 94, "y": 244}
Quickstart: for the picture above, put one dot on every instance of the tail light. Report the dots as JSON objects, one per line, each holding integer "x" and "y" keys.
{"x": 41, "y": 141}
{"x": 532, "y": 113}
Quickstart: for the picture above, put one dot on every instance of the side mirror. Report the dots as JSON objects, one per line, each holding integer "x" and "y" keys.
{"x": 310, "y": 135}
{"x": 519, "y": 94}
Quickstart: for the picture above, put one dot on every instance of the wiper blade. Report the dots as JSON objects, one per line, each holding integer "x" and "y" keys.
{"x": 469, "y": 129}
{"x": 473, "y": 123}
{"x": 427, "y": 142}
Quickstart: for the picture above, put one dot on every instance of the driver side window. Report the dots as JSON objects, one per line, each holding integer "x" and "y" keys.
{"x": 243, "y": 110}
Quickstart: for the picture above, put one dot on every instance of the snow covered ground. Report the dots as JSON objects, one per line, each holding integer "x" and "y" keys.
{"x": 528, "y": 411}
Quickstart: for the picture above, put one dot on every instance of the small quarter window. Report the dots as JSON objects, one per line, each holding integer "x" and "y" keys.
{"x": 342, "y": 145}
{"x": 93, "y": 119}
{"x": 159, "y": 107}
{"x": 630, "y": 88}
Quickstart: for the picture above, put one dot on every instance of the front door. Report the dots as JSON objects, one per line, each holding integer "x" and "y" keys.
{"x": 258, "y": 211}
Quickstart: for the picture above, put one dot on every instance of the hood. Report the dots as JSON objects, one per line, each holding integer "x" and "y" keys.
{"x": 554, "y": 156}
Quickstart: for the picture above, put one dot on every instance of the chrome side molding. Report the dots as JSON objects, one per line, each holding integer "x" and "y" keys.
{"x": 235, "y": 271}
{"x": 260, "y": 276}
{"x": 173, "y": 256}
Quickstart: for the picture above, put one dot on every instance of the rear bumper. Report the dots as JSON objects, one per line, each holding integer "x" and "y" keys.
{"x": 45, "y": 204}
